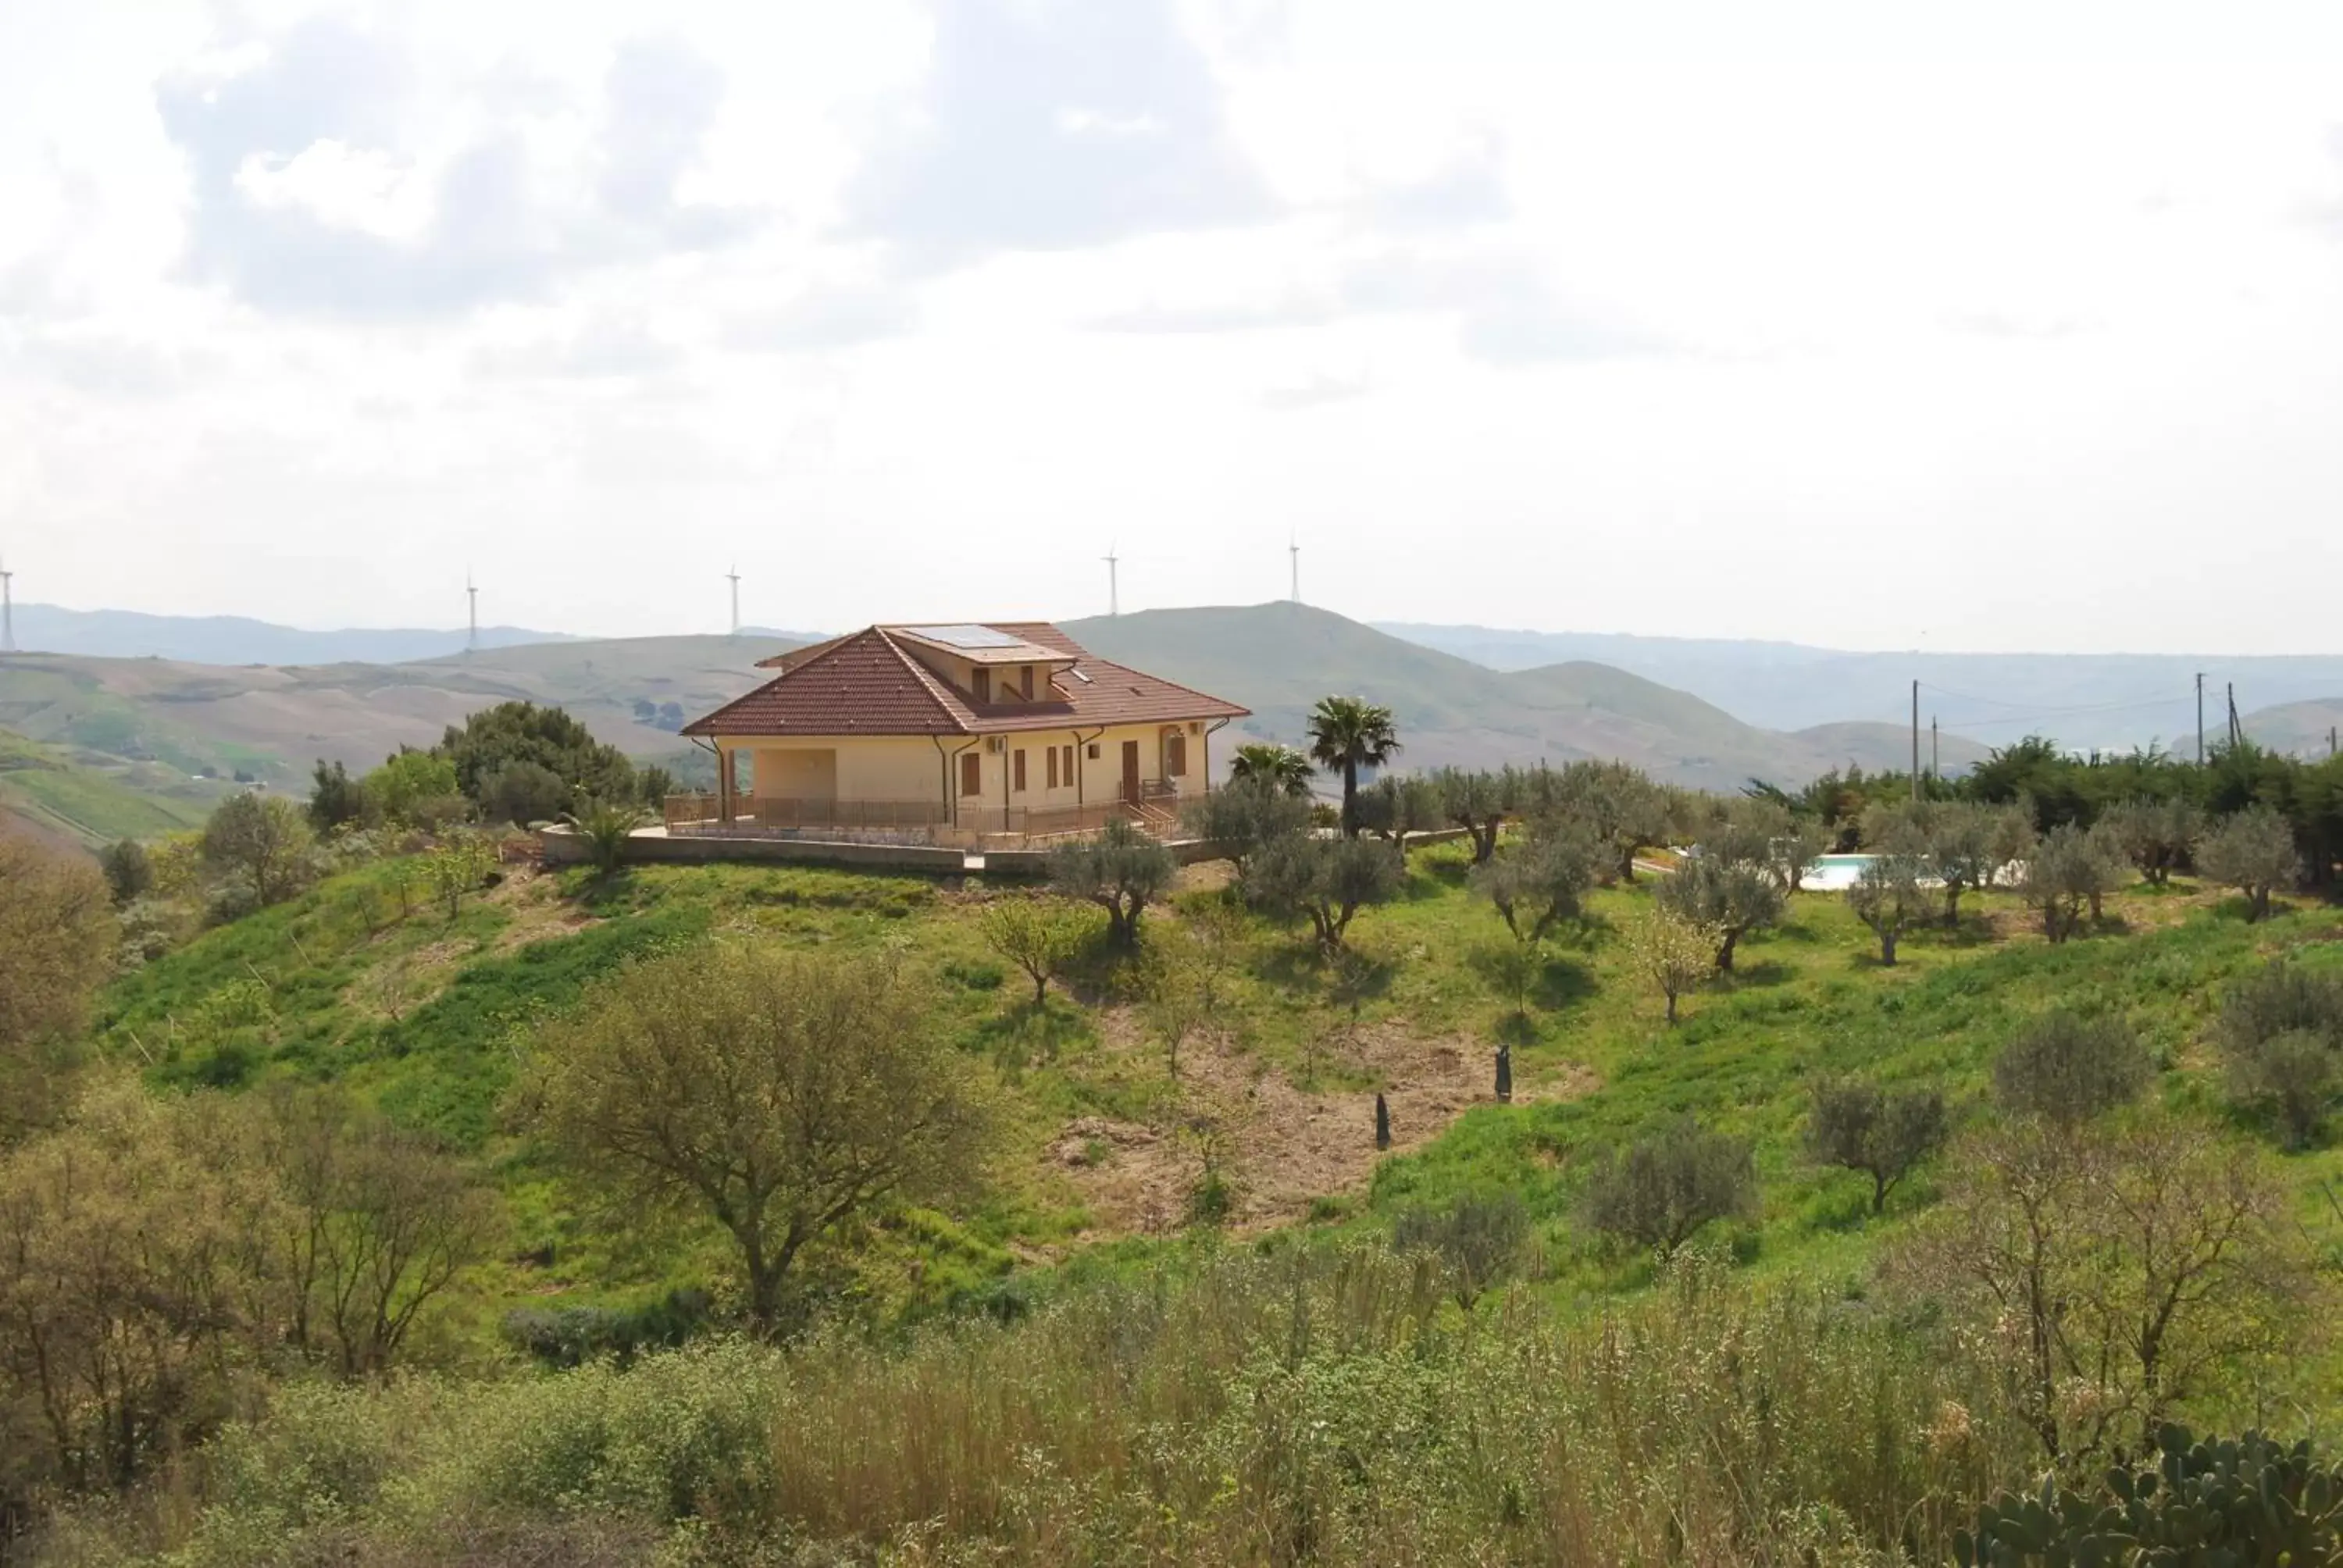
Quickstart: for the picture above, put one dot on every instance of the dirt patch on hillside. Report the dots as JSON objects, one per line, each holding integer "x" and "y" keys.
{"x": 1280, "y": 1146}
{"x": 536, "y": 908}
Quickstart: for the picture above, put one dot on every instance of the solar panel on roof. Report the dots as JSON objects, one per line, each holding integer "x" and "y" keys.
{"x": 968, "y": 636}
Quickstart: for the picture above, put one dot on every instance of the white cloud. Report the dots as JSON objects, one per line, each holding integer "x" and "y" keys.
{"x": 909, "y": 304}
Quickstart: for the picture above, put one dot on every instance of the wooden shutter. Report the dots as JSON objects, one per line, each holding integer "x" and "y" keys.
{"x": 983, "y": 684}
{"x": 972, "y": 773}
{"x": 1018, "y": 757}
{"x": 1052, "y": 769}
{"x": 1175, "y": 755}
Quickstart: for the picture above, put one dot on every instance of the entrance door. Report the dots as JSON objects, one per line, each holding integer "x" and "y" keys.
{"x": 1130, "y": 771}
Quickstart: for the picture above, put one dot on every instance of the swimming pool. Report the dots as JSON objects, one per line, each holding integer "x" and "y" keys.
{"x": 1835, "y": 873}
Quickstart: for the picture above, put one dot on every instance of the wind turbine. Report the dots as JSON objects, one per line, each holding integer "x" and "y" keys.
{"x": 1293, "y": 548}
{"x": 7, "y": 612}
{"x": 734, "y": 577}
{"x": 1114, "y": 588}
{"x": 472, "y": 596}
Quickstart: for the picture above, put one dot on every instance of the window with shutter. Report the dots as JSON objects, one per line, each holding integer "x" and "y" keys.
{"x": 972, "y": 774}
{"x": 1175, "y": 755}
{"x": 1052, "y": 769}
{"x": 1017, "y": 769}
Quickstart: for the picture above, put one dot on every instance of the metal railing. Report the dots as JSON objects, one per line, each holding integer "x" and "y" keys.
{"x": 700, "y": 814}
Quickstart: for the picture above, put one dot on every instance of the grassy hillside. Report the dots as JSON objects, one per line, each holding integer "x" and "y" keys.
{"x": 1278, "y": 658}
{"x": 95, "y": 801}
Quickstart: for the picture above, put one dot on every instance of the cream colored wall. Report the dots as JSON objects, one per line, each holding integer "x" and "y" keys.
{"x": 910, "y": 767}
{"x": 870, "y": 767}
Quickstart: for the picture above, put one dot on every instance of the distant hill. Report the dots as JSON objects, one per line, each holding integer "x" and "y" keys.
{"x": 233, "y": 639}
{"x": 2303, "y": 729}
{"x": 2085, "y": 700}
{"x": 1279, "y": 658}
{"x": 269, "y": 723}
{"x": 90, "y": 801}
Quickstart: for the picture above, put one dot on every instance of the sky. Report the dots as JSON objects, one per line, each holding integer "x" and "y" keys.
{"x": 2000, "y": 326}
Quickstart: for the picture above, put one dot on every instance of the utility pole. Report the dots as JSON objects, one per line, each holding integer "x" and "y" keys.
{"x": 2236, "y": 730}
{"x": 7, "y": 612}
{"x": 1916, "y": 739}
{"x": 734, "y": 575}
{"x": 1935, "y": 760}
{"x": 2200, "y": 718}
{"x": 1114, "y": 588}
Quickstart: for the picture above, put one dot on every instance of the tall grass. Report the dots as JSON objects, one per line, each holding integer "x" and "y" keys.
{"x": 1310, "y": 1407}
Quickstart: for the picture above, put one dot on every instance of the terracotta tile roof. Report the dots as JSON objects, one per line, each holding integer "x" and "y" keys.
{"x": 868, "y": 683}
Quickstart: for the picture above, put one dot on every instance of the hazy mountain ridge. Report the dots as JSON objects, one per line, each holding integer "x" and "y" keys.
{"x": 2108, "y": 700}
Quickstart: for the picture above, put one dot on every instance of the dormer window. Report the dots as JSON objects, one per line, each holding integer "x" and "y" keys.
{"x": 980, "y": 682}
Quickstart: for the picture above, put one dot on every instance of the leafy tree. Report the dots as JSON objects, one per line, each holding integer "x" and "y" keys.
{"x": 2065, "y": 1069}
{"x": 1668, "y": 1185}
{"x": 1281, "y": 768}
{"x": 1243, "y": 817}
{"x": 784, "y": 1096}
{"x": 1121, "y": 870}
{"x": 413, "y": 787}
{"x": 265, "y": 840}
{"x": 457, "y": 865}
{"x": 498, "y": 739}
{"x": 129, "y": 873}
{"x": 604, "y": 827}
{"x": 1971, "y": 844}
{"x": 1394, "y": 808}
{"x": 1538, "y": 885}
{"x": 2281, "y": 1032}
{"x": 526, "y": 792}
{"x": 1039, "y": 935}
{"x": 337, "y": 800}
{"x": 1881, "y": 1132}
{"x": 57, "y": 936}
{"x": 1781, "y": 839}
{"x": 1726, "y": 895}
{"x": 2110, "y": 1273}
{"x": 2156, "y": 835}
{"x": 1887, "y": 896}
{"x": 1327, "y": 881}
{"x": 653, "y": 785}
{"x": 1671, "y": 953}
{"x": 2069, "y": 870}
{"x": 1346, "y": 734}
{"x": 2252, "y": 851}
{"x": 1619, "y": 804}
{"x": 1479, "y": 1238}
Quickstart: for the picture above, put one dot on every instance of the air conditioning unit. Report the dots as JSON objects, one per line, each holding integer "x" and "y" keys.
{"x": 1195, "y": 727}
{"x": 995, "y": 744}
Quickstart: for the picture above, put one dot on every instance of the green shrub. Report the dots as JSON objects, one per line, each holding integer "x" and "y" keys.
{"x": 1481, "y": 1240}
{"x": 1665, "y": 1187}
{"x": 2067, "y": 1070}
{"x": 2281, "y": 1032}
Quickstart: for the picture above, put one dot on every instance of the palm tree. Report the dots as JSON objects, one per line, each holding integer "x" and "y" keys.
{"x": 1351, "y": 733}
{"x": 1281, "y": 768}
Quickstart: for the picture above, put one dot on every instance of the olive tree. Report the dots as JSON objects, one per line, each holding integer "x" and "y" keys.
{"x": 1395, "y": 807}
{"x": 2156, "y": 835}
{"x": 1619, "y": 803}
{"x": 1664, "y": 1187}
{"x": 1478, "y": 801}
{"x": 2064, "y": 1069}
{"x": 2280, "y": 1031}
{"x": 1537, "y": 884}
{"x": 1881, "y": 1132}
{"x": 1725, "y": 894}
{"x": 1324, "y": 880}
{"x": 1888, "y": 898}
{"x": 2252, "y": 851}
{"x": 1121, "y": 870}
{"x": 1246, "y": 814}
{"x": 2069, "y": 870}
{"x": 782, "y": 1096}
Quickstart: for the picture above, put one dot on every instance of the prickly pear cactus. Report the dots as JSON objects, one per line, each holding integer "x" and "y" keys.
{"x": 2248, "y": 1503}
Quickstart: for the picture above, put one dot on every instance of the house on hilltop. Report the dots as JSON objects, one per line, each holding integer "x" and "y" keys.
{"x": 950, "y": 734}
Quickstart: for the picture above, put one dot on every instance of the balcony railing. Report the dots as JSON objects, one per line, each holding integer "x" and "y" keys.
{"x": 700, "y": 814}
